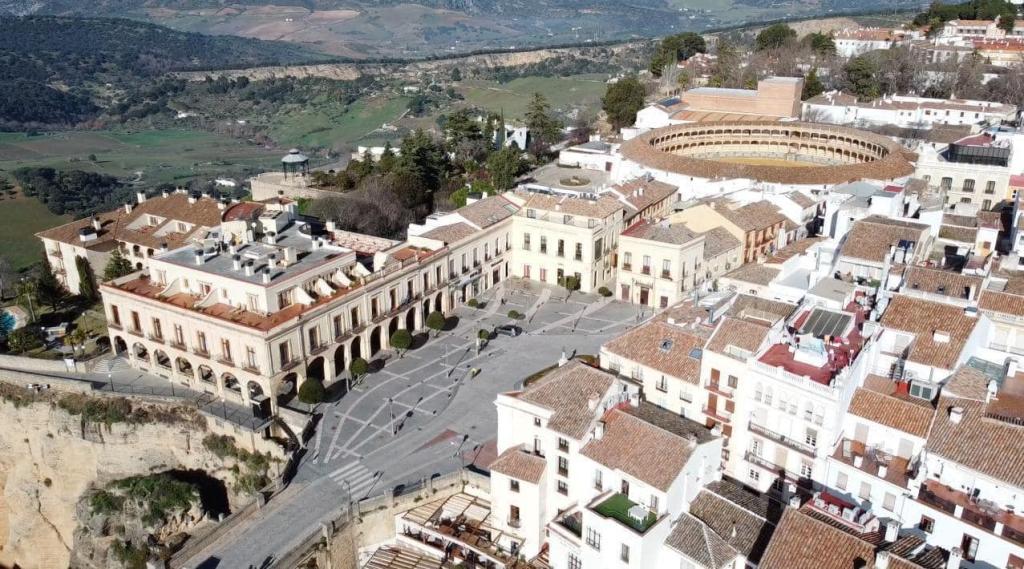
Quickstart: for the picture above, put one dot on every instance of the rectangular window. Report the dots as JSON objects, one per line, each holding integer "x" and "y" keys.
{"x": 598, "y": 482}
{"x": 624, "y": 554}
{"x": 225, "y": 349}
{"x": 865, "y": 491}
{"x": 968, "y": 185}
{"x": 647, "y": 265}
{"x": 561, "y": 248}
{"x": 544, "y": 275}
{"x": 158, "y": 331}
{"x": 253, "y": 301}
{"x": 284, "y": 350}
{"x": 732, "y": 381}
{"x": 811, "y": 437}
{"x": 179, "y": 335}
{"x": 339, "y": 326}
{"x": 969, "y": 546}
{"x": 115, "y": 315}
{"x": 842, "y": 480}
{"x": 544, "y": 244}
{"x": 513, "y": 485}
{"x": 526, "y": 241}
{"x": 662, "y": 384}
{"x": 574, "y": 562}
{"x": 806, "y": 470}
{"x": 284, "y": 299}
{"x": 663, "y": 302}
{"x": 536, "y": 421}
{"x": 889, "y": 502}
{"x": 563, "y": 445}
{"x": 990, "y": 187}
{"x": 201, "y": 343}
{"x": 563, "y": 488}
{"x": 666, "y": 269}
{"x": 250, "y": 357}
{"x": 136, "y": 322}
{"x": 563, "y": 466}
{"x": 593, "y": 539}
{"x": 927, "y": 525}
{"x": 753, "y": 475}
{"x": 627, "y": 261}
{"x": 578, "y": 256}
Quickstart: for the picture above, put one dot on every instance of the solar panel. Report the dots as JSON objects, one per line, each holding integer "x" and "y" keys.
{"x": 826, "y": 323}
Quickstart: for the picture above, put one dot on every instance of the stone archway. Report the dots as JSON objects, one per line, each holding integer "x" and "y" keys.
{"x": 231, "y": 383}
{"x": 288, "y": 388}
{"x": 184, "y": 367}
{"x": 437, "y": 302}
{"x": 120, "y": 346}
{"x": 140, "y": 352}
{"x": 316, "y": 370}
{"x": 161, "y": 359}
{"x": 376, "y": 340}
{"x": 410, "y": 320}
{"x": 356, "y": 347}
{"x": 206, "y": 374}
{"x": 393, "y": 326}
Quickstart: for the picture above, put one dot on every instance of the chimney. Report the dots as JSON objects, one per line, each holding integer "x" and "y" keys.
{"x": 858, "y": 460}
{"x": 289, "y": 255}
{"x": 200, "y": 256}
{"x": 956, "y": 414}
{"x": 794, "y": 501}
{"x": 691, "y": 440}
{"x": 248, "y": 268}
{"x": 272, "y": 262}
{"x": 127, "y": 208}
{"x": 222, "y": 205}
{"x": 331, "y": 225}
{"x": 593, "y": 401}
{"x": 1011, "y": 368}
{"x": 164, "y": 193}
{"x": 717, "y": 430}
{"x": 193, "y": 198}
{"x": 272, "y": 237}
{"x": 236, "y": 262}
{"x": 892, "y": 531}
{"x": 634, "y": 400}
{"x": 882, "y": 560}
{"x": 96, "y": 223}
{"x": 232, "y": 248}
{"x": 882, "y": 470}
{"x": 993, "y": 389}
{"x": 599, "y": 431}
{"x": 140, "y": 197}
{"x": 956, "y": 555}
{"x": 163, "y": 247}
{"x": 266, "y": 275}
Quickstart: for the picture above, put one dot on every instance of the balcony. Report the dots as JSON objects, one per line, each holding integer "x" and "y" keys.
{"x": 285, "y": 366}
{"x": 783, "y": 440}
{"x": 136, "y": 332}
{"x": 666, "y": 275}
{"x": 251, "y": 368}
{"x": 627, "y": 267}
{"x": 891, "y": 468}
{"x": 515, "y": 523}
{"x": 719, "y": 389}
{"x": 764, "y": 463}
{"x": 317, "y": 348}
{"x": 178, "y": 345}
{"x": 645, "y": 271}
{"x": 983, "y": 514}
{"x": 155, "y": 338}
{"x": 718, "y": 414}
{"x": 619, "y": 507}
{"x": 227, "y": 360}
{"x": 572, "y": 522}
{"x": 201, "y": 352}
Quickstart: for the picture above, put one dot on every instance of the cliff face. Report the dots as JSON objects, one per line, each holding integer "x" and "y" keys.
{"x": 49, "y": 458}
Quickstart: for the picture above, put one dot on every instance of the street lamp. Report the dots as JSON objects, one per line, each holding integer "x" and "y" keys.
{"x": 391, "y": 411}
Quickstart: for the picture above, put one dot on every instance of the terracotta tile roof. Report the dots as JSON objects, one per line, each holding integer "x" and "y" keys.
{"x": 451, "y": 233}
{"x": 742, "y": 334}
{"x": 488, "y": 211}
{"x": 871, "y": 237}
{"x": 900, "y": 413}
{"x": 648, "y": 443}
{"x": 751, "y": 217}
{"x": 755, "y": 273}
{"x": 801, "y": 199}
{"x": 661, "y": 232}
{"x": 600, "y": 208}
{"x": 801, "y": 541}
{"x": 959, "y": 220}
{"x": 759, "y": 309}
{"x": 924, "y": 318}
{"x": 204, "y": 213}
{"x": 956, "y": 233}
{"x": 793, "y": 249}
{"x": 672, "y": 349}
{"x": 519, "y": 464}
{"x": 644, "y": 150}
{"x": 938, "y": 281}
{"x": 694, "y": 539}
{"x": 989, "y": 446}
{"x": 966, "y": 383}
{"x": 743, "y": 519}
{"x": 1002, "y": 302}
{"x": 566, "y": 392}
{"x": 718, "y": 241}
{"x": 641, "y": 193}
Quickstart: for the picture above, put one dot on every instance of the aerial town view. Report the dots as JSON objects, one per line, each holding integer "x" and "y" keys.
{"x": 511, "y": 284}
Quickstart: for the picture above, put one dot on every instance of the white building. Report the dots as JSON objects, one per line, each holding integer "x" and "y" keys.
{"x": 905, "y": 111}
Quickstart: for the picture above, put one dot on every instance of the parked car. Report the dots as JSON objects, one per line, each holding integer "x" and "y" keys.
{"x": 510, "y": 330}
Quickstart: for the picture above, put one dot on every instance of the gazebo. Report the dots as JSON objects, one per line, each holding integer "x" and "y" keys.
{"x": 295, "y": 163}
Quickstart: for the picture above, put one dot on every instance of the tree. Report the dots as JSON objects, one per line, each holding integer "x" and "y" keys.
{"x": 27, "y": 292}
{"x": 673, "y": 49}
{"x": 861, "y": 74}
{"x": 86, "y": 280}
{"x": 401, "y": 340}
{"x": 456, "y": 75}
{"x": 774, "y": 37}
{"x": 358, "y": 368}
{"x": 312, "y": 391}
{"x": 388, "y": 161}
{"x": 75, "y": 339}
{"x": 117, "y": 266}
{"x": 24, "y": 339}
{"x": 49, "y": 289}
{"x": 622, "y": 100}
{"x": 504, "y": 166}
{"x": 726, "y": 72}
{"x": 424, "y": 158}
{"x": 571, "y": 283}
{"x": 821, "y": 44}
{"x": 544, "y": 127}
{"x": 436, "y": 321}
{"x": 812, "y": 85}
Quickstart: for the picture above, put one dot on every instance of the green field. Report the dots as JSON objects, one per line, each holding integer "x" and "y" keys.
{"x": 336, "y": 126}
{"x": 20, "y": 219}
{"x": 563, "y": 93}
{"x": 150, "y": 157}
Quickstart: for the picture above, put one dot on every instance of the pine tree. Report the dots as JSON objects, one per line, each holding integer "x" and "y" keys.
{"x": 543, "y": 126}
{"x": 49, "y": 289}
{"x": 86, "y": 280}
{"x": 812, "y": 85}
{"x": 117, "y": 266}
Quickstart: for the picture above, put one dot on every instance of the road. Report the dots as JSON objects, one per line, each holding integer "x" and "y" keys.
{"x": 436, "y": 409}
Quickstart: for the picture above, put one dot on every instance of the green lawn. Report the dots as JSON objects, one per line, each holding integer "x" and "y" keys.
{"x": 617, "y": 506}
{"x": 150, "y": 157}
{"x": 20, "y": 219}
{"x": 563, "y": 93}
{"x": 337, "y": 126}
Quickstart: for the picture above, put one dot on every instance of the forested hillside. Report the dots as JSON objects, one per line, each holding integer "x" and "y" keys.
{"x": 50, "y": 65}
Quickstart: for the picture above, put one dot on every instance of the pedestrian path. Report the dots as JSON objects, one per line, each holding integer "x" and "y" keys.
{"x": 355, "y": 478}
{"x": 111, "y": 364}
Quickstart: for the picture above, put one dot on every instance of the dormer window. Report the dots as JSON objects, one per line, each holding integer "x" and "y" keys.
{"x": 922, "y": 390}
